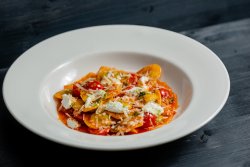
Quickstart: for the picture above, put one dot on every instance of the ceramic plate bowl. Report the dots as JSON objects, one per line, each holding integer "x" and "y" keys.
{"x": 195, "y": 73}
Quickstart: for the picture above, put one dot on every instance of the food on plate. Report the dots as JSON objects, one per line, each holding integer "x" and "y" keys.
{"x": 117, "y": 102}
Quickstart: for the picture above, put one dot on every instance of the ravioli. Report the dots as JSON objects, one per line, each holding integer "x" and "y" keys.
{"x": 117, "y": 102}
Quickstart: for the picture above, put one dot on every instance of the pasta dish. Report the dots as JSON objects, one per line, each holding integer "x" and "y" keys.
{"x": 117, "y": 102}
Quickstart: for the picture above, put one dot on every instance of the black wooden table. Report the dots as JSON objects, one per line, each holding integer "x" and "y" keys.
{"x": 223, "y": 26}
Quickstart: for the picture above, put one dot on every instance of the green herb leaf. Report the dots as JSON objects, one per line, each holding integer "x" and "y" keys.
{"x": 142, "y": 94}
{"x": 136, "y": 114}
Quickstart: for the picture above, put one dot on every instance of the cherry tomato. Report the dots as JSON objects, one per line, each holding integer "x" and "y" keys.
{"x": 133, "y": 79}
{"x": 142, "y": 130}
{"x": 164, "y": 92}
{"x": 148, "y": 120}
{"x": 76, "y": 91}
{"x": 94, "y": 85}
{"x": 103, "y": 132}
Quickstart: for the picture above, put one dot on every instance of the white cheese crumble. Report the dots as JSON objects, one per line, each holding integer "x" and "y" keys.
{"x": 67, "y": 101}
{"x": 135, "y": 91}
{"x": 88, "y": 102}
{"x": 153, "y": 108}
{"x": 72, "y": 123}
{"x": 143, "y": 80}
{"x": 116, "y": 107}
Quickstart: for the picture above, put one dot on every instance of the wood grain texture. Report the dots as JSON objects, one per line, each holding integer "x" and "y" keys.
{"x": 224, "y": 141}
{"x": 227, "y": 137}
{"x": 27, "y": 22}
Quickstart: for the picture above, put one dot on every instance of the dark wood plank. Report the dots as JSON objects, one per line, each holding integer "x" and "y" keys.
{"x": 225, "y": 141}
{"x": 227, "y": 138}
{"x": 25, "y": 23}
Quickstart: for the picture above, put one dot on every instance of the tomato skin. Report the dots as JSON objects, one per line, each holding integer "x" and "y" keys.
{"x": 149, "y": 120}
{"x": 76, "y": 91}
{"x": 164, "y": 92}
{"x": 142, "y": 130}
{"x": 94, "y": 85}
{"x": 103, "y": 132}
{"x": 133, "y": 79}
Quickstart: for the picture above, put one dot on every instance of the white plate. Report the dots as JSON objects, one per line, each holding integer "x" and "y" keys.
{"x": 195, "y": 73}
